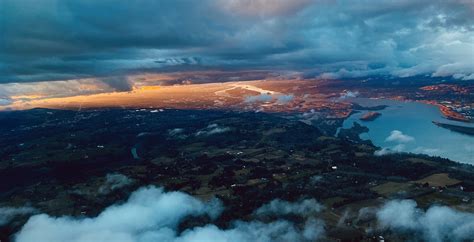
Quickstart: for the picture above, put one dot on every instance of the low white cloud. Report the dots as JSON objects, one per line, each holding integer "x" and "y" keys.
{"x": 279, "y": 207}
{"x": 259, "y": 98}
{"x": 399, "y": 136}
{"x": 458, "y": 70}
{"x": 280, "y": 230}
{"x": 428, "y": 151}
{"x": 349, "y": 94}
{"x": 150, "y": 214}
{"x": 464, "y": 77}
{"x": 383, "y": 151}
{"x": 283, "y": 99}
{"x": 148, "y": 210}
{"x": 9, "y": 213}
{"x": 402, "y": 148}
{"x": 265, "y": 97}
{"x": 212, "y": 129}
{"x": 114, "y": 181}
{"x": 390, "y": 150}
{"x": 438, "y": 223}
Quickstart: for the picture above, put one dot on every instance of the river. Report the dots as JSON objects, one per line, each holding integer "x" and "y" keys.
{"x": 408, "y": 127}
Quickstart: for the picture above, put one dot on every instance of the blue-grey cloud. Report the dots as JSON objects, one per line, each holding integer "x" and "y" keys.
{"x": 151, "y": 214}
{"x": 66, "y": 39}
{"x": 264, "y": 97}
{"x": 113, "y": 182}
{"x": 437, "y": 223}
{"x": 305, "y": 207}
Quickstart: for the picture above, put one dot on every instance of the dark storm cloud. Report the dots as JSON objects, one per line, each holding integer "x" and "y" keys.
{"x": 65, "y": 39}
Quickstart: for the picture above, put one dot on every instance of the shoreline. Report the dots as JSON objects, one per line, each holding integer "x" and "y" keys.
{"x": 447, "y": 112}
{"x": 456, "y": 128}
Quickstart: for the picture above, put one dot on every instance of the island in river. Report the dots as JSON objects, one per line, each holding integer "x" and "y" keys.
{"x": 370, "y": 116}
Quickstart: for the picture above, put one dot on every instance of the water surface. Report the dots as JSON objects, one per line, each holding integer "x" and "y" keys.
{"x": 417, "y": 132}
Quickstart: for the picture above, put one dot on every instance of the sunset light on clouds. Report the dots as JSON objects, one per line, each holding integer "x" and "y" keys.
{"x": 78, "y": 44}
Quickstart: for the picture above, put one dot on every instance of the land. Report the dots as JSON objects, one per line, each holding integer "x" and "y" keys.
{"x": 57, "y": 161}
{"x": 370, "y": 116}
{"x": 356, "y": 106}
{"x": 263, "y": 96}
{"x": 456, "y": 128}
{"x": 455, "y": 99}
{"x": 245, "y": 143}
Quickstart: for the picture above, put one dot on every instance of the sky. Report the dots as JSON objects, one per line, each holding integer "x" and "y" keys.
{"x": 105, "y": 42}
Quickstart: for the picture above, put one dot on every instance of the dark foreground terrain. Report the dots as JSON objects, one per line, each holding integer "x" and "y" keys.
{"x": 77, "y": 163}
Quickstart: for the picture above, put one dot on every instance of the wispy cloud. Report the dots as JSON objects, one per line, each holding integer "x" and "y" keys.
{"x": 212, "y": 129}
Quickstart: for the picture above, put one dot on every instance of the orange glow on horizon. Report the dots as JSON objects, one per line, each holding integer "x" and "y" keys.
{"x": 146, "y": 88}
{"x": 305, "y": 95}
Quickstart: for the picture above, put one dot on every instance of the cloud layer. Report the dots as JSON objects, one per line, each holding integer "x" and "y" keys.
{"x": 67, "y": 39}
{"x": 438, "y": 223}
{"x": 150, "y": 214}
